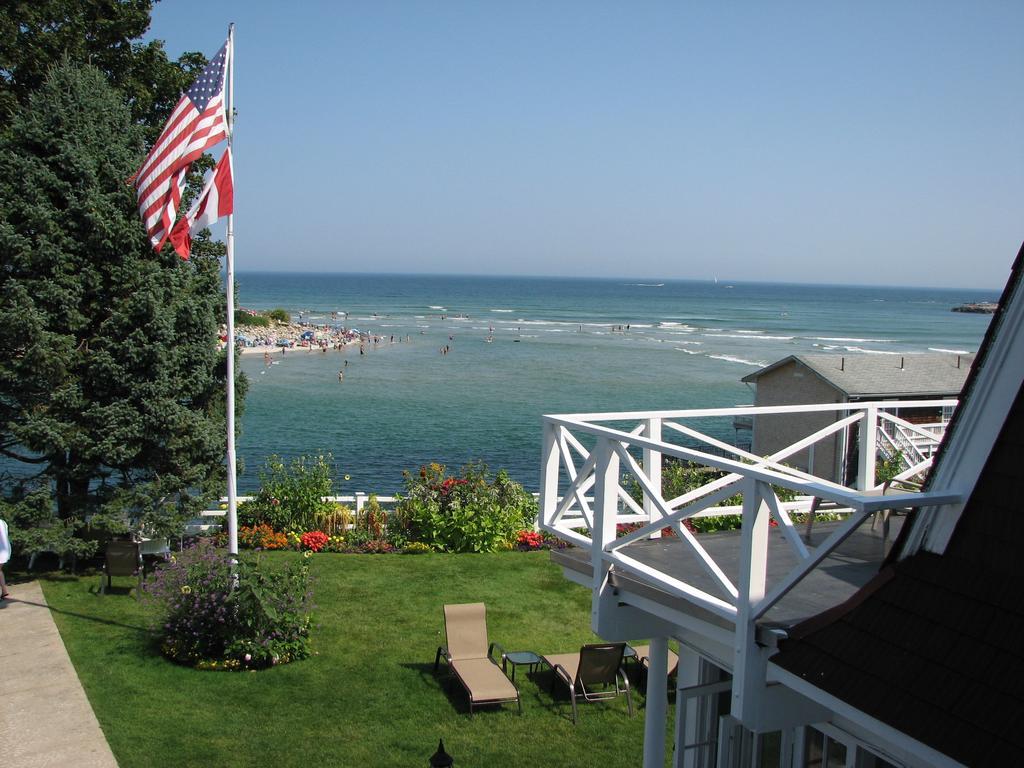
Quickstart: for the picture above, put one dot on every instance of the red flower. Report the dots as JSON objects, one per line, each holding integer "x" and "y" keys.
{"x": 530, "y": 539}
{"x": 313, "y": 540}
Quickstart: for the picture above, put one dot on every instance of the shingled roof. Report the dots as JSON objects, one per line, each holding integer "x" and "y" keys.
{"x": 867, "y": 376}
{"x": 934, "y": 645}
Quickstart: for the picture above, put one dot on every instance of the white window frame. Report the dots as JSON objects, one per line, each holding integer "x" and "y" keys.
{"x": 852, "y": 743}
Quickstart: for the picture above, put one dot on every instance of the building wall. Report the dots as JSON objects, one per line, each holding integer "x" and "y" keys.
{"x": 795, "y": 384}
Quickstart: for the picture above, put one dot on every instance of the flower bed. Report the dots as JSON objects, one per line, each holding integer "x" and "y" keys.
{"x": 209, "y": 615}
{"x": 471, "y": 512}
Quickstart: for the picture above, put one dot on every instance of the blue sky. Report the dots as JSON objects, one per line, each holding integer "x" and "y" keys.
{"x": 869, "y": 142}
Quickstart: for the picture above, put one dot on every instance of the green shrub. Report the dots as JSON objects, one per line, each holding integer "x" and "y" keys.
{"x": 244, "y": 318}
{"x": 206, "y": 614}
{"x": 356, "y": 539}
{"x": 471, "y": 513}
{"x": 291, "y": 496}
{"x": 887, "y": 468}
{"x": 34, "y": 526}
{"x": 279, "y": 315}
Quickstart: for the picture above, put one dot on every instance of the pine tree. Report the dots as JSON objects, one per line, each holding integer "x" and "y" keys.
{"x": 111, "y": 386}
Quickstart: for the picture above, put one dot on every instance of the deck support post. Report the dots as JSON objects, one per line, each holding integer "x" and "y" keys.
{"x": 657, "y": 704}
{"x": 749, "y": 663}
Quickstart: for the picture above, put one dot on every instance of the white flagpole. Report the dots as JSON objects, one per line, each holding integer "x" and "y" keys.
{"x": 230, "y": 263}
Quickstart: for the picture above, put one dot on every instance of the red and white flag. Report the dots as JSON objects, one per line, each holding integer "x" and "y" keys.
{"x": 215, "y": 201}
{"x": 197, "y": 123}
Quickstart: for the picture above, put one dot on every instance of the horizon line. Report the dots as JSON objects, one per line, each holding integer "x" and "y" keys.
{"x": 633, "y": 279}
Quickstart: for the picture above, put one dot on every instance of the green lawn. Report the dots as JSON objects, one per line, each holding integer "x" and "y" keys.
{"x": 369, "y": 697}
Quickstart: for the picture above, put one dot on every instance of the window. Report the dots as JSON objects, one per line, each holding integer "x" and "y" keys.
{"x": 823, "y": 752}
{"x": 832, "y": 748}
{"x": 867, "y": 759}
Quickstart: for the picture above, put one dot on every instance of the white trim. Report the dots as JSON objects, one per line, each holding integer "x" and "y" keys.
{"x": 977, "y": 426}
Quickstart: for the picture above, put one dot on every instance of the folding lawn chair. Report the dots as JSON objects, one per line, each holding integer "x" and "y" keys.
{"x": 590, "y": 672}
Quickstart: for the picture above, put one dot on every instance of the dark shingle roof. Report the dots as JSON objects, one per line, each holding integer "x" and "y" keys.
{"x": 861, "y": 376}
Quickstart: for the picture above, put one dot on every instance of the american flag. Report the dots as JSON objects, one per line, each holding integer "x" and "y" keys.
{"x": 198, "y": 122}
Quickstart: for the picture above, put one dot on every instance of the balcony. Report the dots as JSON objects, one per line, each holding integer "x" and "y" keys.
{"x": 734, "y": 594}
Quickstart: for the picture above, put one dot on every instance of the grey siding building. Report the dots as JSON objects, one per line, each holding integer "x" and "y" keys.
{"x": 807, "y": 379}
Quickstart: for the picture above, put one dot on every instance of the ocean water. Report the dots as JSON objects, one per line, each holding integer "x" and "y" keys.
{"x": 556, "y": 347}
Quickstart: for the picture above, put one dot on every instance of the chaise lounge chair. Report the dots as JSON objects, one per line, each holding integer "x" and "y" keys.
{"x": 598, "y": 665}
{"x": 469, "y": 657}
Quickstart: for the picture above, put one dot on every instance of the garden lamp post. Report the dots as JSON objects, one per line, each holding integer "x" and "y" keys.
{"x": 441, "y": 759}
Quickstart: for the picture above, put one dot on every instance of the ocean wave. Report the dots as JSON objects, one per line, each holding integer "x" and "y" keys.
{"x": 740, "y": 360}
{"x": 647, "y": 285}
{"x": 434, "y": 306}
{"x": 502, "y": 310}
{"x": 747, "y": 336}
{"x": 691, "y": 343}
{"x": 872, "y": 351}
{"x": 851, "y": 338}
{"x": 949, "y": 351}
{"x": 688, "y": 351}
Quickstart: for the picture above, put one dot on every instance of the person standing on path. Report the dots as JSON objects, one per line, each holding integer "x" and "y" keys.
{"x": 5, "y": 555}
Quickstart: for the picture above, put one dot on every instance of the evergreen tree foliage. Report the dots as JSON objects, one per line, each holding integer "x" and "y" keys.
{"x": 35, "y": 35}
{"x": 111, "y": 387}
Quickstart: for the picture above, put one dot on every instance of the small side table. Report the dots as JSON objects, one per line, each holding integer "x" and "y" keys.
{"x": 517, "y": 659}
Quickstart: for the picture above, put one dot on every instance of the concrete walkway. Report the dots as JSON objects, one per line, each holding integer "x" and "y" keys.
{"x": 45, "y": 718}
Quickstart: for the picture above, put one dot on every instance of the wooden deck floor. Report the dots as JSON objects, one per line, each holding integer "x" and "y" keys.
{"x": 836, "y": 579}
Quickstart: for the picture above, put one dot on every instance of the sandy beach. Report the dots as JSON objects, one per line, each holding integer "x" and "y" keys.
{"x": 293, "y": 337}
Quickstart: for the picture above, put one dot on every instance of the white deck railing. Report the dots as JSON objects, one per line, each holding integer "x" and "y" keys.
{"x": 590, "y": 460}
